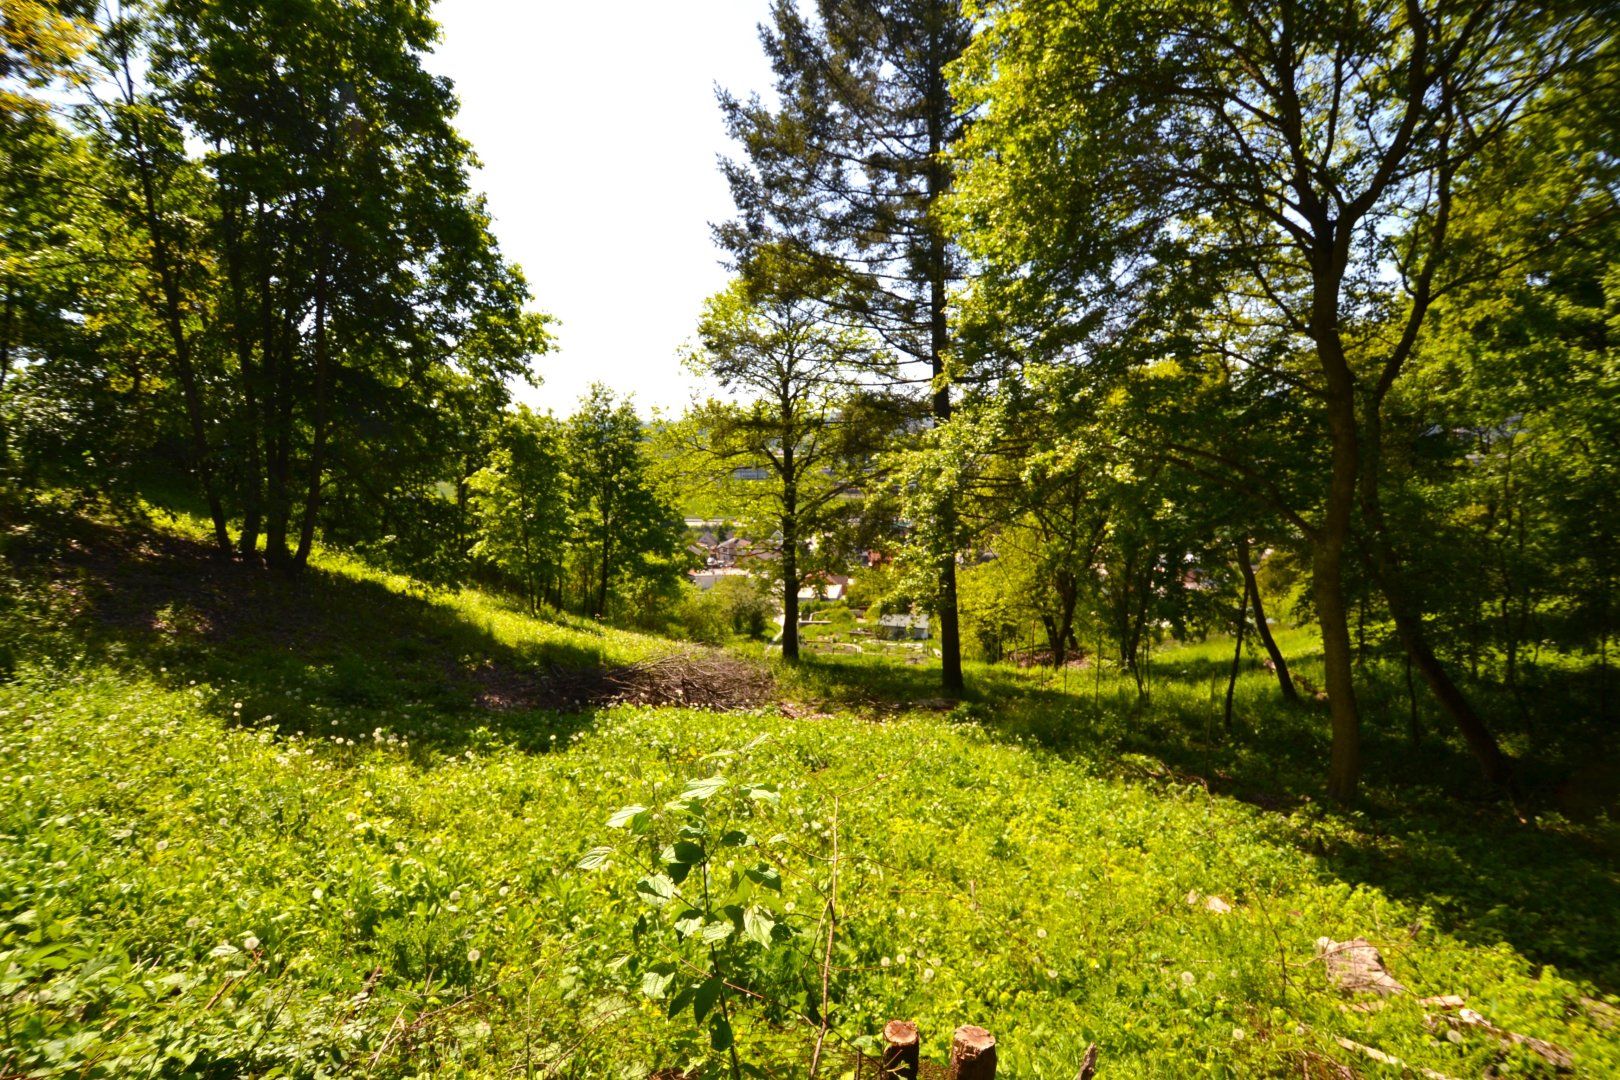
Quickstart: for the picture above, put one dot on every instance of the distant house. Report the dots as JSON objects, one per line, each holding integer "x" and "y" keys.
{"x": 825, "y": 587}
{"x": 903, "y": 628}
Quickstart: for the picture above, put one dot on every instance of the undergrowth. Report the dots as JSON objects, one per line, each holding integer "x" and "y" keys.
{"x": 290, "y": 840}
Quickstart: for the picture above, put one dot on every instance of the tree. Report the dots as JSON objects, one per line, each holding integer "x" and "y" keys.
{"x": 358, "y": 265}
{"x": 849, "y": 175}
{"x": 817, "y": 440}
{"x": 623, "y": 530}
{"x": 1298, "y": 162}
{"x": 520, "y": 506}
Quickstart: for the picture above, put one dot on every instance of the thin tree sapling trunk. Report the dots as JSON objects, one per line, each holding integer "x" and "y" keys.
{"x": 1285, "y": 681}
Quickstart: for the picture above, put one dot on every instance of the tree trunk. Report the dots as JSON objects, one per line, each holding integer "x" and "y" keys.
{"x": 6, "y": 321}
{"x": 1284, "y": 679}
{"x": 253, "y": 480}
{"x": 1498, "y": 769}
{"x": 174, "y": 321}
{"x": 279, "y": 470}
{"x": 606, "y": 570}
{"x": 1387, "y": 572}
{"x": 973, "y": 1054}
{"x": 1060, "y": 631}
{"x": 1414, "y": 730}
{"x": 790, "y": 555}
{"x": 938, "y": 182}
{"x": 901, "y": 1051}
{"x": 1344, "y": 766}
{"x": 317, "y": 451}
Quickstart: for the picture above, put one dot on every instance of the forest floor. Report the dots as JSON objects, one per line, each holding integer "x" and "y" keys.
{"x": 333, "y": 825}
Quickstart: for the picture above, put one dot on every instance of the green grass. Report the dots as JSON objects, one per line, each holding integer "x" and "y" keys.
{"x": 249, "y": 825}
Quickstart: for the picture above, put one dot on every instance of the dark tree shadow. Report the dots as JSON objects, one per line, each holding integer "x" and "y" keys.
{"x": 1428, "y": 830}
{"x": 315, "y": 653}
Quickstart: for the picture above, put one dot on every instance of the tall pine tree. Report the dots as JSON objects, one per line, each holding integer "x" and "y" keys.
{"x": 849, "y": 171}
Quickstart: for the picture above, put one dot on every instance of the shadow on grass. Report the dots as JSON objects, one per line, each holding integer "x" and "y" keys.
{"x": 316, "y": 653}
{"x": 1428, "y": 830}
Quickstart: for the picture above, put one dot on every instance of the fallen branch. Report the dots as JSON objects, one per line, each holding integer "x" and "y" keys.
{"x": 1388, "y": 1059}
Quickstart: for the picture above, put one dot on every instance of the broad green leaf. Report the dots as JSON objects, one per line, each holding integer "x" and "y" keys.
{"x": 656, "y": 983}
{"x": 686, "y": 851}
{"x": 706, "y": 998}
{"x": 596, "y": 858}
{"x": 699, "y": 790}
{"x": 690, "y": 922}
{"x": 757, "y": 926}
{"x": 656, "y": 889}
{"x": 627, "y": 819}
{"x": 766, "y": 876}
{"x": 720, "y": 1033}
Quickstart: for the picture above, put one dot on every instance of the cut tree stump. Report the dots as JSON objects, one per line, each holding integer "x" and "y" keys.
{"x": 901, "y": 1050}
{"x": 973, "y": 1054}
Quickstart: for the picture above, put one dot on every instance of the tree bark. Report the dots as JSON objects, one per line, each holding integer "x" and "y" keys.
{"x": 1060, "y": 631}
{"x": 901, "y": 1051}
{"x": 1284, "y": 680}
{"x": 790, "y": 555}
{"x": 174, "y": 321}
{"x": 607, "y": 554}
{"x": 1344, "y": 765}
{"x": 317, "y": 451}
{"x": 938, "y": 186}
{"x": 973, "y": 1054}
{"x": 1414, "y": 730}
{"x": 279, "y": 508}
{"x": 253, "y": 479}
{"x": 6, "y": 321}
{"x": 1387, "y": 572}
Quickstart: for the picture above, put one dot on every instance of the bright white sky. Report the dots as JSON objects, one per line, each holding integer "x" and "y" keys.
{"x": 598, "y": 131}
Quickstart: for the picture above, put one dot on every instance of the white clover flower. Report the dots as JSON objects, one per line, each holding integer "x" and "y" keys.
{"x": 163, "y": 845}
{"x": 1188, "y": 979}
{"x": 250, "y": 943}
{"x": 317, "y": 893}
{"x": 928, "y": 974}
{"x": 473, "y": 956}
{"x": 1041, "y": 933}
{"x": 885, "y": 962}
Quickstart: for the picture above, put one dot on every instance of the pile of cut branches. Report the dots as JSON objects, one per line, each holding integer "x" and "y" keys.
{"x": 703, "y": 679}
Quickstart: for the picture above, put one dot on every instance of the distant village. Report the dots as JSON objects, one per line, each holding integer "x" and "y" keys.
{"x": 725, "y": 553}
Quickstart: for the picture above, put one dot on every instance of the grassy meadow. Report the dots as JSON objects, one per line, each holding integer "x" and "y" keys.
{"x": 259, "y": 827}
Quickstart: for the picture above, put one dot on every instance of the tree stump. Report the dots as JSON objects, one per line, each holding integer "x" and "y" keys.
{"x": 973, "y": 1054}
{"x": 901, "y": 1050}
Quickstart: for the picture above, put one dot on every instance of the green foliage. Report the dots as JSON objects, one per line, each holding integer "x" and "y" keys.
{"x": 520, "y": 503}
{"x": 626, "y": 536}
{"x": 734, "y": 607}
{"x": 220, "y": 857}
{"x": 712, "y": 924}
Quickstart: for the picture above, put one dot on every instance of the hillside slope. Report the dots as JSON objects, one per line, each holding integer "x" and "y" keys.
{"x": 299, "y": 834}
